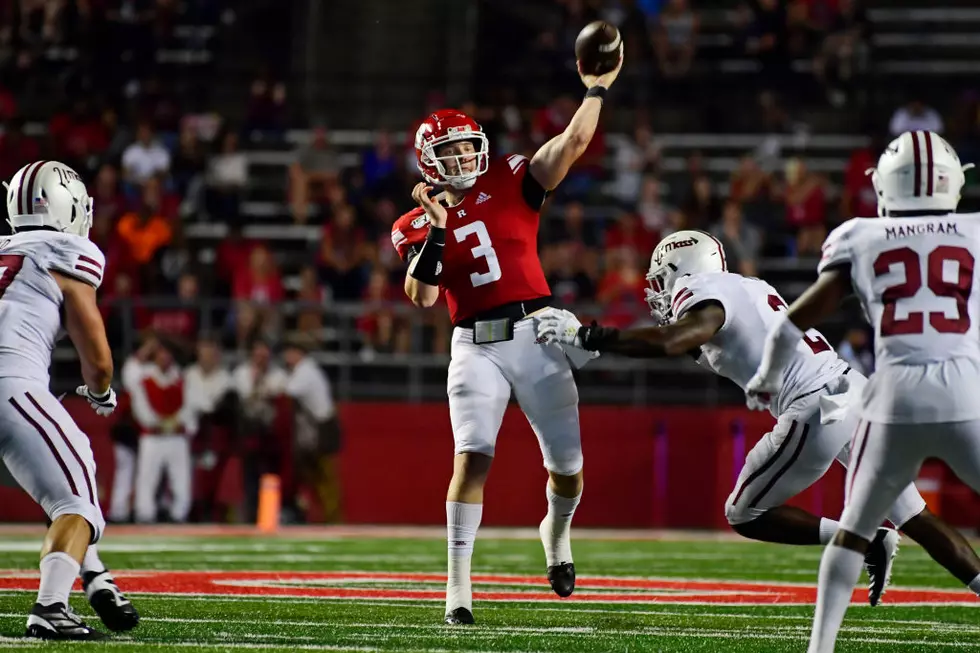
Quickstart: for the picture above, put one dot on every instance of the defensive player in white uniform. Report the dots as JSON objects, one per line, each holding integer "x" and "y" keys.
{"x": 47, "y": 264}
{"x": 721, "y": 318}
{"x": 914, "y": 271}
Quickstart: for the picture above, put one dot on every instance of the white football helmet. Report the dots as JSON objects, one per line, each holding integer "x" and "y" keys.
{"x": 918, "y": 171}
{"x": 678, "y": 255}
{"x": 49, "y": 194}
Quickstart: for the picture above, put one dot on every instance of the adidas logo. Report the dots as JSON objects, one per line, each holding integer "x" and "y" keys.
{"x": 482, "y": 197}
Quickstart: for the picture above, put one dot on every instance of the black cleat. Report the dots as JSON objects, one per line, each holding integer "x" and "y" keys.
{"x": 459, "y": 617}
{"x": 878, "y": 561}
{"x": 56, "y": 621}
{"x": 113, "y": 608}
{"x": 562, "y": 578}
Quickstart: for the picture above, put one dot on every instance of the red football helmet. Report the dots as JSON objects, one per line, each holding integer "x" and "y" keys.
{"x": 448, "y": 126}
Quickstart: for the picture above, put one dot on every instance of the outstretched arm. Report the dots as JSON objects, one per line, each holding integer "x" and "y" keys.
{"x": 689, "y": 333}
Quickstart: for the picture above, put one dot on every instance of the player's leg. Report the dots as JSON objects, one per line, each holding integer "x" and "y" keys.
{"x": 786, "y": 461}
{"x": 180, "y": 473}
{"x": 149, "y": 468}
{"x": 120, "y": 509}
{"x": 946, "y": 545}
{"x": 105, "y": 597}
{"x": 546, "y": 390}
{"x": 53, "y": 462}
{"x": 478, "y": 396}
{"x": 886, "y": 458}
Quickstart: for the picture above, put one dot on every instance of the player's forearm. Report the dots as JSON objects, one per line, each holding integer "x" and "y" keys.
{"x": 634, "y": 343}
{"x": 551, "y": 163}
{"x": 820, "y": 300}
{"x": 421, "y": 294}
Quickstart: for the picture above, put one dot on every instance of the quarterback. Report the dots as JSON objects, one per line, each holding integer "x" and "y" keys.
{"x": 914, "y": 271}
{"x": 476, "y": 242}
{"x": 47, "y": 265}
{"x": 720, "y": 318}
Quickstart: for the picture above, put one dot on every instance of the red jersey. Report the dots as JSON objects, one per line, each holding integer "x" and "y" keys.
{"x": 491, "y": 252}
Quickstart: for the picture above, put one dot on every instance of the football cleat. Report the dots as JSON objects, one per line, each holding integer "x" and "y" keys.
{"x": 113, "y": 608}
{"x": 56, "y": 621}
{"x": 879, "y": 561}
{"x": 562, "y": 578}
{"x": 459, "y": 617}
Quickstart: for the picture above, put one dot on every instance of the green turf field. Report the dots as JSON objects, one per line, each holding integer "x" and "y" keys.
{"x": 332, "y": 591}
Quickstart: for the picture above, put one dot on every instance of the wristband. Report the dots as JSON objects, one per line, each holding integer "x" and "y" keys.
{"x": 595, "y": 337}
{"x": 427, "y": 266}
{"x": 597, "y": 91}
{"x": 100, "y": 398}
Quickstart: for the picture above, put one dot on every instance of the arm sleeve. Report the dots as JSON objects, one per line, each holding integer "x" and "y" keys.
{"x": 532, "y": 191}
{"x": 407, "y": 238}
{"x": 692, "y": 291}
{"x": 79, "y": 258}
{"x": 836, "y": 250}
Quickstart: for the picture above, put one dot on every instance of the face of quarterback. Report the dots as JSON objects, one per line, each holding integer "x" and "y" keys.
{"x": 462, "y": 155}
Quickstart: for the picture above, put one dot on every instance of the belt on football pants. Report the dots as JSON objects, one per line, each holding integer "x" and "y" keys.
{"x": 497, "y": 323}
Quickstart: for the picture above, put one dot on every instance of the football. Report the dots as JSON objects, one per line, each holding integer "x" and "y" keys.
{"x": 598, "y": 47}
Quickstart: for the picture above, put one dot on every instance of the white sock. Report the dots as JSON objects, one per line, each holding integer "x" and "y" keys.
{"x": 555, "y": 527}
{"x": 462, "y": 522}
{"x": 58, "y": 573}
{"x": 839, "y": 571}
{"x": 828, "y": 528}
{"x": 91, "y": 562}
{"x": 975, "y": 585}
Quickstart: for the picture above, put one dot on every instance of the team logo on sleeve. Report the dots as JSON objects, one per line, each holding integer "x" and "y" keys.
{"x": 419, "y": 222}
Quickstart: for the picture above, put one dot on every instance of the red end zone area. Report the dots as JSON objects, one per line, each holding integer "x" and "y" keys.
{"x": 371, "y": 586}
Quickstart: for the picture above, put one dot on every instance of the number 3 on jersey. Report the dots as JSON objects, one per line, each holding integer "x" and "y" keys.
{"x": 483, "y": 250}
{"x": 816, "y": 343}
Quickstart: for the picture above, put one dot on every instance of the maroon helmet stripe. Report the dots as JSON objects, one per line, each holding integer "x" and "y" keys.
{"x": 928, "y": 137}
{"x": 918, "y": 163}
{"x": 28, "y": 194}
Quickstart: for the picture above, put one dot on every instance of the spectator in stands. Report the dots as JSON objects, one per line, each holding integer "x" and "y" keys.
{"x": 635, "y": 158}
{"x": 621, "y": 289}
{"x": 16, "y": 149}
{"x": 655, "y": 215}
{"x": 108, "y": 202}
{"x": 701, "y": 207}
{"x": 259, "y": 384}
{"x": 227, "y": 177}
{"x": 146, "y": 157}
{"x": 179, "y": 321}
{"x": 915, "y": 116}
{"x": 749, "y": 182}
{"x": 846, "y": 51}
{"x": 315, "y": 171}
{"x": 343, "y": 253}
{"x": 158, "y": 408}
{"x": 317, "y": 436}
{"x": 742, "y": 241}
{"x": 676, "y": 38}
{"x": 858, "y": 197}
{"x": 266, "y": 112}
{"x": 311, "y": 299}
{"x": 767, "y": 41}
{"x": 573, "y": 227}
{"x": 256, "y": 291}
{"x": 380, "y": 165}
{"x": 232, "y": 258}
{"x": 806, "y": 208}
{"x": 567, "y": 273}
{"x": 188, "y": 164}
{"x": 629, "y": 233}
{"x": 211, "y": 406}
{"x": 146, "y": 231}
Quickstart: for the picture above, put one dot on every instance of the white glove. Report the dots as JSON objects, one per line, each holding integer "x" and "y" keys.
{"x": 554, "y": 325}
{"x": 101, "y": 404}
{"x": 657, "y": 308}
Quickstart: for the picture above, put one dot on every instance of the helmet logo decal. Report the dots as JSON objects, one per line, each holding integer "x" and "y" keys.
{"x": 666, "y": 248}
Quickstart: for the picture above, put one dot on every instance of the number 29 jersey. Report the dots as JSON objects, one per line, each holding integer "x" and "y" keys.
{"x": 491, "y": 252}
{"x": 30, "y": 299}
{"x": 916, "y": 279}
